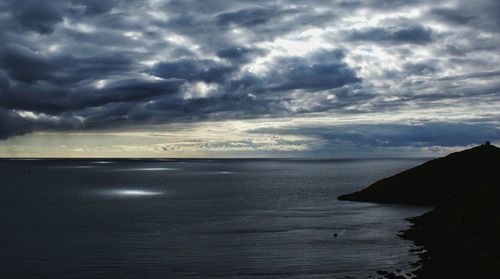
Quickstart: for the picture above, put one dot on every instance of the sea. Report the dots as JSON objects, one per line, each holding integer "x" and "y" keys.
{"x": 199, "y": 218}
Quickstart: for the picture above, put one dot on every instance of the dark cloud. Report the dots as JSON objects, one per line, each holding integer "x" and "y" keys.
{"x": 239, "y": 53}
{"x": 319, "y": 71}
{"x": 39, "y": 16}
{"x": 16, "y": 123}
{"x": 106, "y": 107}
{"x": 398, "y": 35}
{"x": 476, "y": 75}
{"x": 192, "y": 70}
{"x": 24, "y": 64}
{"x": 214, "y": 25}
{"x": 395, "y": 4}
{"x": 453, "y": 15}
{"x": 4, "y": 83}
{"x": 57, "y": 100}
{"x": 166, "y": 109}
{"x": 251, "y": 17}
{"x": 124, "y": 91}
{"x": 74, "y": 69}
{"x": 95, "y": 7}
{"x": 422, "y": 134}
{"x": 75, "y": 64}
{"x": 12, "y": 125}
{"x": 421, "y": 69}
{"x": 481, "y": 14}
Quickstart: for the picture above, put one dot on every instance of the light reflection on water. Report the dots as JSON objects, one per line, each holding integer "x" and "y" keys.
{"x": 128, "y": 193}
{"x": 223, "y": 172}
{"x": 75, "y": 167}
{"x": 148, "y": 169}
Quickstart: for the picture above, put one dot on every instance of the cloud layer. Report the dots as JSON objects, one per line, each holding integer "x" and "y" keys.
{"x": 74, "y": 65}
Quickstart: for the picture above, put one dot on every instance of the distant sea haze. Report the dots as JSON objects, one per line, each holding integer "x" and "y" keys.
{"x": 198, "y": 219}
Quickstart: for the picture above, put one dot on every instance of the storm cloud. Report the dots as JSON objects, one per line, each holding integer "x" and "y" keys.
{"x": 394, "y": 35}
{"x": 74, "y": 65}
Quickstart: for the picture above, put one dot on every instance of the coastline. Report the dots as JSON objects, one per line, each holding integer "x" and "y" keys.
{"x": 458, "y": 243}
{"x": 460, "y": 235}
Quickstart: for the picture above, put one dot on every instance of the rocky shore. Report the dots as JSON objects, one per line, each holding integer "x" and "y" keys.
{"x": 461, "y": 235}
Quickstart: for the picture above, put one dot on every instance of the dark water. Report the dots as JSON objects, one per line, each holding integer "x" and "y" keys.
{"x": 197, "y": 219}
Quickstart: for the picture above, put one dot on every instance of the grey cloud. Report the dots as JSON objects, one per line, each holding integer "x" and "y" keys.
{"x": 39, "y": 16}
{"x": 24, "y": 64}
{"x": 421, "y": 69}
{"x": 398, "y": 35}
{"x": 251, "y": 17}
{"x": 123, "y": 91}
{"x": 237, "y": 53}
{"x": 192, "y": 70}
{"x": 4, "y": 83}
{"x": 74, "y": 69}
{"x": 321, "y": 70}
{"x": 148, "y": 55}
{"x": 212, "y": 25}
{"x": 57, "y": 100}
{"x": 476, "y": 75}
{"x": 167, "y": 109}
{"x": 453, "y": 15}
{"x": 424, "y": 134}
{"x": 108, "y": 107}
{"x": 396, "y": 4}
{"x": 481, "y": 14}
{"x": 95, "y": 7}
{"x": 13, "y": 125}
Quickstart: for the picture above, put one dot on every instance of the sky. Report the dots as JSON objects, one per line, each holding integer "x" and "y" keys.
{"x": 231, "y": 78}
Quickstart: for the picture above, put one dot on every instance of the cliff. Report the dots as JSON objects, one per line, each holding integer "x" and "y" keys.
{"x": 461, "y": 235}
{"x": 437, "y": 181}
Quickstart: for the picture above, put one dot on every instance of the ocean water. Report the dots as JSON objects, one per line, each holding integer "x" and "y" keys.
{"x": 198, "y": 219}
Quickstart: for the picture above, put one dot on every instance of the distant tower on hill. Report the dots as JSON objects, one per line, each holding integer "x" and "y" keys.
{"x": 487, "y": 143}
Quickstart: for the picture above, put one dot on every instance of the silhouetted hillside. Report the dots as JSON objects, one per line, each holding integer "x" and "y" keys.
{"x": 461, "y": 236}
{"x": 438, "y": 180}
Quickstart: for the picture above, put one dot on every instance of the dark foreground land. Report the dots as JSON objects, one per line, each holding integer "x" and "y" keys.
{"x": 461, "y": 235}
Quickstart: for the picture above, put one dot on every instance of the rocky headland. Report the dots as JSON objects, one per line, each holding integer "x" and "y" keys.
{"x": 461, "y": 235}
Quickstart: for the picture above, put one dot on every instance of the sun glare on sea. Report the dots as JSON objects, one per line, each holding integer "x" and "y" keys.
{"x": 128, "y": 193}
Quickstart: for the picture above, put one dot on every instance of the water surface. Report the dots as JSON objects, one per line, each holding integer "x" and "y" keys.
{"x": 197, "y": 219}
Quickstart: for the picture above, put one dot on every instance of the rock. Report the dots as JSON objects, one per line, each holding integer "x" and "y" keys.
{"x": 382, "y": 272}
{"x": 460, "y": 235}
{"x": 436, "y": 181}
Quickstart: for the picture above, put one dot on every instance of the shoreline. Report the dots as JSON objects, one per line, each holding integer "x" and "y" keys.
{"x": 460, "y": 236}
{"x": 456, "y": 244}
